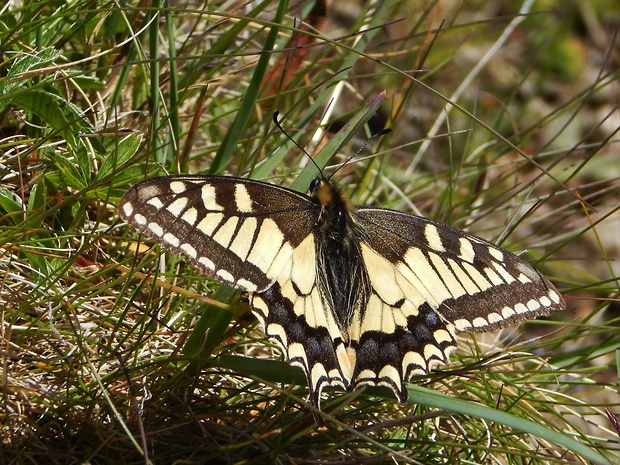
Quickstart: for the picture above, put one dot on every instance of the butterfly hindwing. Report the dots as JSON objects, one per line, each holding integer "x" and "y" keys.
{"x": 312, "y": 343}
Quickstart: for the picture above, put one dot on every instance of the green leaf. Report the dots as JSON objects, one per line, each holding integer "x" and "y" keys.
{"x": 70, "y": 176}
{"x": 430, "y": 398}
{"x": 274, "y": 371}
{"x": 211, "y": 326}
{"x": 61, "y": 115}
{"x": 79, "y": 81}
{"x": 17, "y": 75}
{"x": 119, "y": 156}
{"x": 10, "y": 204}
{"x": 36, "y": 204}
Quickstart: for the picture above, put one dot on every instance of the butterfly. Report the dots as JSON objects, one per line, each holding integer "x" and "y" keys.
{"x": 354, "y": 295}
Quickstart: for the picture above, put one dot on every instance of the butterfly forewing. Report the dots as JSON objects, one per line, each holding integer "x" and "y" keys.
{"x": 241, "y": 233}
{"x": 355, "y": 296}
{"x": 470, "y": 283}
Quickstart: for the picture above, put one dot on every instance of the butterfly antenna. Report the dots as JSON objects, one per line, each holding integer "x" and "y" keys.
{"x": 383, "y": 132}
{"x": 275, "y": 120}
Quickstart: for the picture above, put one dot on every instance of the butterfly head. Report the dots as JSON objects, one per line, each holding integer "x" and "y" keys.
{"x": 328, "y": 195}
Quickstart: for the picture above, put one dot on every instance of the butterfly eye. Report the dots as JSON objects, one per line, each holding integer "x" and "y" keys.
{"x": 314, "y": 185}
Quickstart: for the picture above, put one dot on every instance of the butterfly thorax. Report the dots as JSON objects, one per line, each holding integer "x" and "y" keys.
{"x": 343, "y": 278}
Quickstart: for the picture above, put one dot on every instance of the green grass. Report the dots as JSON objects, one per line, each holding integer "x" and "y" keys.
{"x": 502, "y": 124}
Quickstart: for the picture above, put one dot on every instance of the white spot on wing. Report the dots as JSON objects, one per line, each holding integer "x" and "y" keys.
{"x": 242, "y": 198}
{"x": 207, "y": 263}
{"x": 243, "y": 240}
{"x": 156, "y": 229}
{"x": 140, "y": 219}
{"x": 466, "y": 251}
{"x": 441, "y": 336}
{"x": 225, "y": 276}
{"x": 365, "y": 376}
{"x": 267, "y": 244}
{"x": 177, "y": 206}
{"x": 462, "y": 324}
{"x": 278, "y": 333}
{"x": 246, "y": 285}
{"x": 155, "y": 202}
{"x": 390, "y": 372}
{"x": 224, "y": 235}
{"x": 521, "y": 308}
{"x": 190, "y": 216}
{"x": 433, "y": 238}
{"x": 171, "y": 239}
{"x": 297, "y": 351}
{"x": 128, "y": 209}
{"x": 178, "y": 187}
{"x": 261, "y": 311}
{"x": 189, "y": 250}
{"x": 414, "y": 359}
{"x": 533, "y": 305}
{"x": 208, "y": 224}
{"x": 507, "y": 312}
{"x": 318, "y": 373}
{"x": 432, "y": 351}
{"x": 147, "y": 192}
{"x": 555, "y": 296}
{"x": 208, "y": 198}
{"x": 496, "y": 253}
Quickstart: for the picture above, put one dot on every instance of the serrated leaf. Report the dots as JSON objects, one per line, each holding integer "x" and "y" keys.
{"x": 23, "y": 64}
{"x": 121, "y": 154}
{"x": 70, "y": 176}
{"x": 61, "y": 115}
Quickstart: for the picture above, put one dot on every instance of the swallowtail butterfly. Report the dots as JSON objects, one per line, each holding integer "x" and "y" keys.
{"x": 354, "y": 295}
